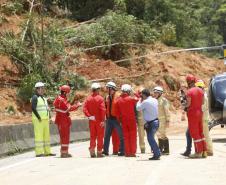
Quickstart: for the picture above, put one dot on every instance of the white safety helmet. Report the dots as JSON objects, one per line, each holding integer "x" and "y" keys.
{"x": 111, "y": 85}
{"x": 158, "y": 89}
{"x": 39, "y": 84}
{"x": 126, "y": 88}
{"x": 95, "y": 86}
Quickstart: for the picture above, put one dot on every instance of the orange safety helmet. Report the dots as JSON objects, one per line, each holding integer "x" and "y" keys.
{"x": 65, "y": 88}
{"x": 190, "y": 78}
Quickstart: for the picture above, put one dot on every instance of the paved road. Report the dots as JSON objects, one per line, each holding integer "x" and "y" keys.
{"x": 81, "y": 170}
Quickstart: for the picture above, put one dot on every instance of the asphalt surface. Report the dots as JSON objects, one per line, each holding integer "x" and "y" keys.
{"x": 174, "y": 169}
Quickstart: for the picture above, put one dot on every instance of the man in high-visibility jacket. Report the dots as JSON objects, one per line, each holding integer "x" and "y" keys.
{"x": 40, "y": 120}
{"x": 63, "y": 120}
{"x": 195, "y": 99}
{"x": 125, "y": 107}
{"x": 164, "y": 118}
{"x": 205, "y": 110}
{"x": 94, "y": 110}
{"x": 112, "y": 123}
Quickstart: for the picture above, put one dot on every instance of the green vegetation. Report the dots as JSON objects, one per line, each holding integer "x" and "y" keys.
{"x": 13, "y": 7}
{"x": 113, "y": 28}
{"x": 182, "y": 23}
{"x": 33, "y": 51}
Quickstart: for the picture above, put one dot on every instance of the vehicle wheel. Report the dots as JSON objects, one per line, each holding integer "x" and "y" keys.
{"x": 212, "y": 124}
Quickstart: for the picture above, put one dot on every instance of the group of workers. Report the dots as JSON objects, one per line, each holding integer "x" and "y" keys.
{"x": 120, "y": 116}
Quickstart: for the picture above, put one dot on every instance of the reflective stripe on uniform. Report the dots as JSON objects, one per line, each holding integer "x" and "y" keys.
{"x": 39, "y": 142}
{"x": 62, "y": 111}
{"x": 64, "y": 151}
{"x": 64, "y": 145}
{"x": 42, "y": 109}
{"x": 46, "y": 143}
{"x": 199, "y": 140}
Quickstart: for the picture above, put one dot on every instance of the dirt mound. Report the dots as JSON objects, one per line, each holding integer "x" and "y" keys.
{"x": 11, "y": 24}
{"x": 9, "y": 109}
{"x": 8, "y": 71}
{"x": 102, "y": 69}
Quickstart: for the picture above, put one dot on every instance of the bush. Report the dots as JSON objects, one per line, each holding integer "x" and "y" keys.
{"x": 13, "y": 8}
{"x": 114, "y": 28}
{"x": 26, "y": 89}
{"x": 91, "y": 35}
{"x": 2, "y": 20}
{"x": 168, "y": 34}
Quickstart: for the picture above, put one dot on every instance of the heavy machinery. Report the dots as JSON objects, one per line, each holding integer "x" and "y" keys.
{"x": 217, "y": 100}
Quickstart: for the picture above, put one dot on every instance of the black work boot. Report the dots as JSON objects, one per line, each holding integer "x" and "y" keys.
{"x": 161, "y": 145}
{"x": 186, "y": 153}
{"x": 166, "y": 147}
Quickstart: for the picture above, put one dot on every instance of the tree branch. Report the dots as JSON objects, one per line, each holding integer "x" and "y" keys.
{"x": 29, "y": 19}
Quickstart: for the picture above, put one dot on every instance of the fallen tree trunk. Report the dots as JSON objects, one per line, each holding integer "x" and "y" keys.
{"x": 123, "y": 77}
{"x": 79, "y": 24}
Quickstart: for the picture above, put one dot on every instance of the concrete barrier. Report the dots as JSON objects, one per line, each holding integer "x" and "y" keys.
{"x": 18, "y": 138}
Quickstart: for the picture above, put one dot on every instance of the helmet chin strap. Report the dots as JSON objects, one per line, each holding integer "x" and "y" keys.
{"x": 109, "y": 94}
{"x": 160, "y": 94}
{"x": 191, "y": 84}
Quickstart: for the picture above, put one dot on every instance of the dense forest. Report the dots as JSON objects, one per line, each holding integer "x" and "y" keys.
{"x": 180, "y": 22}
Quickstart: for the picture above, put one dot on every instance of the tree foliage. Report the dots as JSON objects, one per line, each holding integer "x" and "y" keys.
{"x": 114, "y": 28}
{"x": 183, "y": 23}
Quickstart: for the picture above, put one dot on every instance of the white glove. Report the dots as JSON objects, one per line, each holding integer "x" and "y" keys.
{"x": 92, "y": 118}
{"x": 79, "y": 104}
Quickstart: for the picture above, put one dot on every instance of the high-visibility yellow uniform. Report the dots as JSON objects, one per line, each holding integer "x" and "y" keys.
{"x": 41, "y": 127}
{"x": 205, "y": 125}
{"x": 164, "y": 118}
{"x": 141, "y": 132}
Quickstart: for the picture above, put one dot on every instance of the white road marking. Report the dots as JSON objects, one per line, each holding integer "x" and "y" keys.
{"x": 25, "y": 161}
{"x": 16, "y": 164}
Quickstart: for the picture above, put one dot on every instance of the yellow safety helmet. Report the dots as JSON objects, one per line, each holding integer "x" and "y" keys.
{"x": 200, "y": 83}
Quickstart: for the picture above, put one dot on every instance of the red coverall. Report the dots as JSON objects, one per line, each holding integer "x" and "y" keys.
{"x": 195, "y": 118}
{"x": 126, "y": 115}
{"x": 63, "y": 120}
{"x": 115, "y": 141}
{"x": 94, "y": 106}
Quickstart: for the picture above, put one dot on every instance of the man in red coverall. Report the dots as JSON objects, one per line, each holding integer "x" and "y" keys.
{"x": 63, "y": 120}
{"x": 115, "y": 142}
{"x": 126, "y": 115}
{"x": 195, "y": 99}
{"x": 94, "y": 109}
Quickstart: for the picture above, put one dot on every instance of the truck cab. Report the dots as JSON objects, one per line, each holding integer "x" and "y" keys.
{"x": 217, "y": 100}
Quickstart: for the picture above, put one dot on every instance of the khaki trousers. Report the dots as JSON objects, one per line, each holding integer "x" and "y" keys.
{"x": 141, "y": 132}
{"x": 207, "y": 136}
